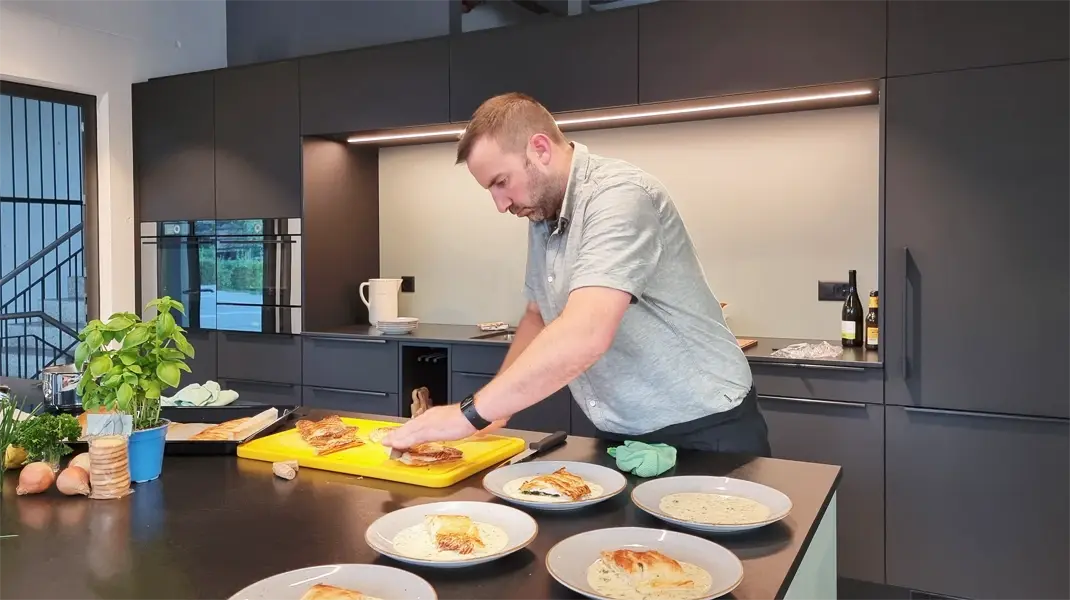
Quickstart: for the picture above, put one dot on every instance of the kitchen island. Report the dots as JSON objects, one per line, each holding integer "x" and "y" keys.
{"x": 212, "y": 525}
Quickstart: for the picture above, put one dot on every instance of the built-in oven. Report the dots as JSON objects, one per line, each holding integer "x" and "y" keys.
{"x": 231, "y": 275}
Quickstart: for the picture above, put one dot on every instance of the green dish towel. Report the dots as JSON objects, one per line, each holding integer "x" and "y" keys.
{"x": 642, "y": 459}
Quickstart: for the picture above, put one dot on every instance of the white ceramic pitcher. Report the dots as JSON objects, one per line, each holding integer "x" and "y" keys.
{"x": 381, "y": 298}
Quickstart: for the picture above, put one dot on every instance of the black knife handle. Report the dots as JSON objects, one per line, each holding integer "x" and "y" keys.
{"x": 554, "y": 439}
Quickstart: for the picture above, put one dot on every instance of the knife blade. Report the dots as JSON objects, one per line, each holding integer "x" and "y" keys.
{"x": 543, "y": 445}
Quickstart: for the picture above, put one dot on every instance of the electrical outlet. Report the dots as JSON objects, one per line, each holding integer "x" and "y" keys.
{"x": 832, "y": 291}
{"x": 408, "y": 283}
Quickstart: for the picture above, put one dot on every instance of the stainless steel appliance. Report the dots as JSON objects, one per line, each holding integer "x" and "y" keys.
{"x": 232, "y": 275}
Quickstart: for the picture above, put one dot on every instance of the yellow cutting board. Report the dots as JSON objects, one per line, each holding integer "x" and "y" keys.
{"x": 373, "y": 460}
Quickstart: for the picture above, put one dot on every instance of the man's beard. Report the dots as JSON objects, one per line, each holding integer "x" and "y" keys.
{"x": 547, "y": 194}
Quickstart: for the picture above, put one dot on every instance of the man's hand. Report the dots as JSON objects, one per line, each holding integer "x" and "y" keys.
{"x": 438, "y": 424}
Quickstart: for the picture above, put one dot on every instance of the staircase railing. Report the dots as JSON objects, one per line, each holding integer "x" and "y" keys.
{"x": 18, "y": 359}
{"x": 29, "y": 262}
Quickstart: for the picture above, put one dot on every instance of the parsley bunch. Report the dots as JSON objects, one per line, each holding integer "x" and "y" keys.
{"x": 42, "y": 437}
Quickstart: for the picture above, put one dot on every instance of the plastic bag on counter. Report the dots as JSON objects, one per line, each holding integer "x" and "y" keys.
{"x": 807, "y": 350}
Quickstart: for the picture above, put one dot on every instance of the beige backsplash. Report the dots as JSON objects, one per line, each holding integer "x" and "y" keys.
{"x": 773, "y": 203}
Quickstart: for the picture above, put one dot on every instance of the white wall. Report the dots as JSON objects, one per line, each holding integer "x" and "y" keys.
{"x": 101, "y": 47}
{"x": 773, "y": 203}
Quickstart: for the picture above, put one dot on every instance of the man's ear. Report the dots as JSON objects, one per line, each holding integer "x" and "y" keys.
{"x": 540, "y": 148}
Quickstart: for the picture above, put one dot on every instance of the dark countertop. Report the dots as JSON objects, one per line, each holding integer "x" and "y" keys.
{"x": 212, "y": 525}
{"x": 452, "y": 334}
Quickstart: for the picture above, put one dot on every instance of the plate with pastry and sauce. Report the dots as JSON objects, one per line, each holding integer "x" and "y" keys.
{"x": 712, "y": 504}
{"x": 554, "y": 484}
{"x": 340, "y": 582}
{"x": 636, "y": 563}
{"x": 451, "y": 534}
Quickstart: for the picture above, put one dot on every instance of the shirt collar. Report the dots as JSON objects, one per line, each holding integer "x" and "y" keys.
{"x": 581, "y": 161}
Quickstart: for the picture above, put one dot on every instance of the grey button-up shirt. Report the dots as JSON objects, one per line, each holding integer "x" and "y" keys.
{"x": 673, "y": 359}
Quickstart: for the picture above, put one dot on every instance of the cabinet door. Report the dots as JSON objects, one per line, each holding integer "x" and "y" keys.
{"x": 259, "y": 392}
{"x": 976, "y": 223}
{"x": 174, "y": 147}
{"x": 258, "y": 142}
{"x": 697, "y": 49}
{"x": 977, "y": 503}
{"x": 263, "y": 357}
{"x": 396, "y": 85}
{"x": 568, "y": 63}
{"x": 550, "y": 415}
{"x": 850, "y": 435}
{"x": 926, "y": 36}
{"x": 376, "y": 403}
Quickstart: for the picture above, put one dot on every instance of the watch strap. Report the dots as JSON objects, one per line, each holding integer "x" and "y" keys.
{"x": 468, "y": 409}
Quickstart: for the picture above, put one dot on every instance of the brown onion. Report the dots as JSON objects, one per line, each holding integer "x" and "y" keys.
{"x": 82, "y": 460}
{"x": 73, "y": 480}
{"x": 35, "y": 478}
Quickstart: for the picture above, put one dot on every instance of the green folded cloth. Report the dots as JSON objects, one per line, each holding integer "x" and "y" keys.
{"x": 642, "y": 459}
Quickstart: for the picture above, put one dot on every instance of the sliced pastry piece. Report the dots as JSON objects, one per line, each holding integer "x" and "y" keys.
{"x": 329, "y": 435}
{"x": 559, "y": 484}
{"x": 322, "y": 591}
{"x": 222, "y": 431}
{"x": 430, "y": 453}
{"x": 379, "y": 433}
{"x": 457, "y": 533}
{"x": 647, "y": 569}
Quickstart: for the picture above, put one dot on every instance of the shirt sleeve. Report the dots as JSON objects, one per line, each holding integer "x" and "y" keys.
{"x": 621, "y": 241}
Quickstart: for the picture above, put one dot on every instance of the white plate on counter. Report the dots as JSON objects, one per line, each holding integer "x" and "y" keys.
{"x": 404, "y": 536}
{"x": 713, "y": 504}
{"x": 377, "y": 581}
{"x": 576, "y": 560}
{"x": 504, "y": 482}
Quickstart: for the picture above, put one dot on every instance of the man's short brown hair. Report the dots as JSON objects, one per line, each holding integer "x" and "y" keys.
{"x": 510, "y": 119}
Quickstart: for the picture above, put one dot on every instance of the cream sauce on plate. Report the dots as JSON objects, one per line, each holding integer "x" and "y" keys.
{"x": 713, "y": 509}
{"x": 615, "y": 584}
{"x": 512, "y": 489}
{"x": 417, "y": 542}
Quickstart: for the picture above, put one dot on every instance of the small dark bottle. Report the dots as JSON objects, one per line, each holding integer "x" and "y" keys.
{"x": 851, "y": 316}
{"x": 872, "y": 329}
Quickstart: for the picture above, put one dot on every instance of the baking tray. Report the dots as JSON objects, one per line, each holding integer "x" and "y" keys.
{"x": 207, "y": 414}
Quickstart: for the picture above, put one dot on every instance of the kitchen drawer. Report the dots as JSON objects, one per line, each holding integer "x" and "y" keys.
{"x": 366, "y": 364}
{"x": 376, "y": 403}
{"x": 823, "y": 382}
{"x": 269, "y": 394}
{"x": 549, "y": 415}
{"x": 260, "y": 357}
{"x": 482, "y": 358}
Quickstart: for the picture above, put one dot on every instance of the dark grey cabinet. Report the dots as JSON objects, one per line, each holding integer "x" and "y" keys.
{"x": 257, "y": 142}
{"x": 823, "y": 382}
{"x": 698, "y": 49}
{"x": 263, "y": 392}
{"x": 977, "y": 503}
{"x": 976, "y": 223}
{"x": 203, "y": 364}
{"x": 549, "y": 415}
{"x": 174, "y": 147}
{"x": 850, "y": 435}
{"x": 926, "y": 36}
{"x": 265, "y": 357}
{"x": 396, "y": 85}
{"x": 359, "y": 364}
{"x": 590, "y": 63}
{"x": 364, "y": 401}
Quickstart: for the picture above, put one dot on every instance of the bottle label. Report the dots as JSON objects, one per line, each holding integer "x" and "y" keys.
{"x": 847, "y": 330}
{"x": 871, "y": 336}
{"x": 873, "y": 301}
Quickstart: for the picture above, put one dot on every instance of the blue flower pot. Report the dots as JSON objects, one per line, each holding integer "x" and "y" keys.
{"x": 146, "y": 452}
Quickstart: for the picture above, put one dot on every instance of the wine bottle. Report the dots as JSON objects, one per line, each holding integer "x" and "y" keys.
{"x": 851, "y": 315}
{"x": 872, "y": 329}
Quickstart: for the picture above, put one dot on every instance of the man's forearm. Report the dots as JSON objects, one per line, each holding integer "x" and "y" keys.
{"x": 530, "y": 325}
{"x": 553, "y": 357}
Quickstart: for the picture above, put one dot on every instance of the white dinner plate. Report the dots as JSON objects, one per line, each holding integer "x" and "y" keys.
{"x": 378, "y": 581}
{"x": 568, "y": 560}
{"x": 519, "y": 527}
{"x": 647, "y": 496}
{"x": 610, "y": 481}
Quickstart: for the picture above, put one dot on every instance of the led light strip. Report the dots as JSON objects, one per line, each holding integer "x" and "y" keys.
{"x": 358, "y": 139}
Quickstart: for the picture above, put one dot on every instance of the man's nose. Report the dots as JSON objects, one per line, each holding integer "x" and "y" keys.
{"x": 502, "y": 204}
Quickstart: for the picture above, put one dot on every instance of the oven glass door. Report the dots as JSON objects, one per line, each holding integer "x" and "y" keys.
{"x": 184, "y": 270}
{"x": 256, "y": 288}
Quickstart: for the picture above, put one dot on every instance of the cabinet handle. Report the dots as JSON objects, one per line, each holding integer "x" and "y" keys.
{"x": 354, "y": 392}
{"x": 816, "y": 401}
{"x": 984, "y": 415}
{"x": 813, "y": 366}
{"x": 467, "y": 374}
{"x": 261, "y": 383}
{"x": 345, "y": 340}
{"x": 906, "y": 325}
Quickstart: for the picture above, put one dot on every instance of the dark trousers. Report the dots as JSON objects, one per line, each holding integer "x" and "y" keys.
{"x": 740, "y": 430}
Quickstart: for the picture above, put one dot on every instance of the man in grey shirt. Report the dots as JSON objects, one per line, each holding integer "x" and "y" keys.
{"x": 618, "y": 305}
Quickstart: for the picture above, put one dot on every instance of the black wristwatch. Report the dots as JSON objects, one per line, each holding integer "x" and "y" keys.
{"x": 468, "y": 409}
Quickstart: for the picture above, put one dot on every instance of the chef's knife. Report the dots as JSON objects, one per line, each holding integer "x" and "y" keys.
{"x": 545, "y": 444}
